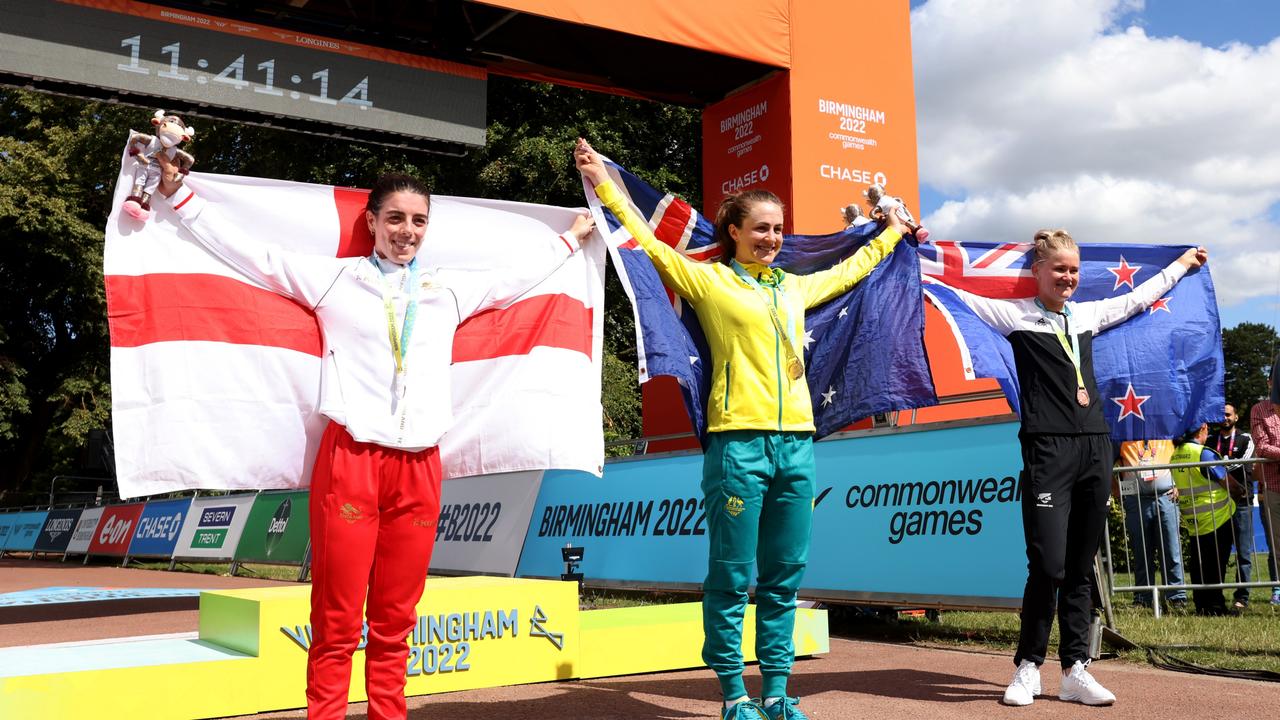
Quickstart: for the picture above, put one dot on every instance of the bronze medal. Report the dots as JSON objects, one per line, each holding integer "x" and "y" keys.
{"x": 1082, "y": 397}
{"x": 795, "y": 369}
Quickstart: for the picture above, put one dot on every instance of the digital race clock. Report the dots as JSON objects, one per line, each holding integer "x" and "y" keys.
{"x": 159, "y": 55}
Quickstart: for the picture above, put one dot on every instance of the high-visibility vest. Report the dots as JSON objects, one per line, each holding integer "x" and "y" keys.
{"x": 1205, "y": 504}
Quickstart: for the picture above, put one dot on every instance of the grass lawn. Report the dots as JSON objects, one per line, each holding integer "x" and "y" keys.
{"x": 254, "y": 570}
{"x": 1248, "y": 642}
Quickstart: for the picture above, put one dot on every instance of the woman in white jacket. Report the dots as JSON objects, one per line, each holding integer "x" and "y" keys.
{"x": 388, "y": 322}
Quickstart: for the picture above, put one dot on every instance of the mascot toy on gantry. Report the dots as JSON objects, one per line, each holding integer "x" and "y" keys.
{"x": 171, "y": 132}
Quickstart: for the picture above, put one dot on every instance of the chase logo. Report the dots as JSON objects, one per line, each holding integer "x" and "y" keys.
{"x": 734, "y": 506}
{"x": 164, "y": 527}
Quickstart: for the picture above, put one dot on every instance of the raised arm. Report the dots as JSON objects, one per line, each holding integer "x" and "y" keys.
{"x": 819, "y": 287}
{"x": 1003, "y": 315}
{"x": 688, "y": 279}
{"x": 303, "y": 277}
{"x": 477, "y": 292}
{"x": 1099, "y": 315}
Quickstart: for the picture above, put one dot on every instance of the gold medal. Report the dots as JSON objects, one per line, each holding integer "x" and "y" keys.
{"x": 1082, "y": 397}
{"x": 795, "y": 369}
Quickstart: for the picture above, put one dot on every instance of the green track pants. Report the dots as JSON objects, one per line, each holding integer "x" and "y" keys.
{"x": 759, "y": 501}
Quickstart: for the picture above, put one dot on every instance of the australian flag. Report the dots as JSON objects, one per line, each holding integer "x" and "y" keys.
{"x": 864, "y": 350}
{"x": 1159, "y": 373}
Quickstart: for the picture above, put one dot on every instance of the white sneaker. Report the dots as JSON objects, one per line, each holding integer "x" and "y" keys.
{"x": 1079, "y": 686}
{"x": 1025, "y": 686}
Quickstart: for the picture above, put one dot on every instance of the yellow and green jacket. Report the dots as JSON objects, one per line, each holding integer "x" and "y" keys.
{"x": 750, "y": 387}
{"x": 1203, "y": 498}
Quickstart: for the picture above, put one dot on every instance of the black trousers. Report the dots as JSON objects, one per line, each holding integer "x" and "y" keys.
{"x": 1206, "y": 562}
{"x": 1066, "y": 480}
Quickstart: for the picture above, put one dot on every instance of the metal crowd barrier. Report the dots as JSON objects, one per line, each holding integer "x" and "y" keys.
{"x": 1138, "y": 552}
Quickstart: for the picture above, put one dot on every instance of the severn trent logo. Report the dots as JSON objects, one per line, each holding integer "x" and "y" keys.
{"x": 279, "y": 523}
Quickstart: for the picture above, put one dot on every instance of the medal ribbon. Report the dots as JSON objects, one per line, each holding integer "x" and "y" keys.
{"x": 773, "y": 311}
{"x": 1072, "y": 348}
{"x": 1231, "y": 443}
{"x": 399, "y": 340}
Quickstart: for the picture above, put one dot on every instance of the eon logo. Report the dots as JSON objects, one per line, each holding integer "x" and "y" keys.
{"x": 279, "y": 523}
{"x": 114, "y": 530}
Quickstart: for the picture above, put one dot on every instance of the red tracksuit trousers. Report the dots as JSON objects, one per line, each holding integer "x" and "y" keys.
{"x": 373, "y": 525}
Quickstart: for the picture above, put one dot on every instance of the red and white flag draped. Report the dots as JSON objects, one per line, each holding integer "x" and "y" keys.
{"x": 215, "y": 380}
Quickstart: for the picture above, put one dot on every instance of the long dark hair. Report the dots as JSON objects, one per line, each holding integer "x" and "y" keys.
{"x": 390, "y": 183}
{"x": 734, "y": 210}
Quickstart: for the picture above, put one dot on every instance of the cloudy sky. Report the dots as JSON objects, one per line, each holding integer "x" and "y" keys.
{"x": 1121, "y": 120}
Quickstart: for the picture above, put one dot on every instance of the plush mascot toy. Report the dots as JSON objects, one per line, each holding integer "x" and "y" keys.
{"x": 882, "y": 204}
{"x": 171, "y": 132}
{"x": 852, "y": 216}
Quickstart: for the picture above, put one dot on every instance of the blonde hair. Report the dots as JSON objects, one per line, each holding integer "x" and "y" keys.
{"x": 1048, "y": 242}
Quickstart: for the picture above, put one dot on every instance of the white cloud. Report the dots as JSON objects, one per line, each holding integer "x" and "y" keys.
{"x": 1050, "y": 113}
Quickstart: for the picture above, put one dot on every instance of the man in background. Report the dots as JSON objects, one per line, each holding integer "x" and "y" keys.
{"x": 1151, "y": 518}
{"x": 1233, "y": 443}
{"x": 1265, "y": 427}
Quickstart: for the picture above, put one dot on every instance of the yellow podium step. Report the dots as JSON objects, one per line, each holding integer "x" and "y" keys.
{"x": 471, "y": 633}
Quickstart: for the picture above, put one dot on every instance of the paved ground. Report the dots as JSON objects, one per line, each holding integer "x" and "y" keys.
{"x": 21, "y": 574}
{"x": 859, "y": 679}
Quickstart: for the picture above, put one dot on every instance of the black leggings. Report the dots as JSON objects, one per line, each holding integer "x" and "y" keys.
{"x": 1066, "y": 480}
{"x": 1206, "y": 561}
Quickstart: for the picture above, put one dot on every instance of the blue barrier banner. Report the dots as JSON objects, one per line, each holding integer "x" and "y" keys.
{"x": 643, "y": 521}
{"x": 158, "y": 527}
{"x": 57, "y": 530}
{"x": 934, "y": 513}
{"x": 25, "y": 529}
{"x": 6, "y": 527}
{"x": 910, "y": 515}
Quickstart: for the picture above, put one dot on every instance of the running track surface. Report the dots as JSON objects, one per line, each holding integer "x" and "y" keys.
{"x": 857, "y": 679}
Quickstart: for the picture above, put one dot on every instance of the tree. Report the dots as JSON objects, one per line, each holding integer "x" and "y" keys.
{"x": 57, "y": 159}
{"x": 1248, "y": 350}
{"x": 56, "y": 156}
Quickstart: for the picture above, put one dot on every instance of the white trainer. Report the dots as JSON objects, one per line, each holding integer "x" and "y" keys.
{"x": 1079, "y": 686}
{"x": 1025, "y": 686}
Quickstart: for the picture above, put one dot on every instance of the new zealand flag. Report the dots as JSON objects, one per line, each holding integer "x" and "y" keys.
{"x": 864, "y": 350}
{"x": 1159, "y": 373}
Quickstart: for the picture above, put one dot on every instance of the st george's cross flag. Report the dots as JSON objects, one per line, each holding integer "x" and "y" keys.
{"x": 216, "y": 380}
{"x": 864, "y": 350}
{"x": 1159, "y": 373}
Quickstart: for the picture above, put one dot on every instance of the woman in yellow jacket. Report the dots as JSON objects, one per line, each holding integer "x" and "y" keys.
{"x": 758, "y": 469}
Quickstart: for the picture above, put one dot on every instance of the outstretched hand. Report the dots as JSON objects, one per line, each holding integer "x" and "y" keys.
{"x": 1194, "y": 258}
{"x": 589, "y": 163}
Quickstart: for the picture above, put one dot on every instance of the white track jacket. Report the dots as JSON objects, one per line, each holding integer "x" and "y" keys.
{"x": 358, "y": 368}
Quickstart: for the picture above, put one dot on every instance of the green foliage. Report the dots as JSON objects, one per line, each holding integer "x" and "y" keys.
{"x": 1248, "y": 350}
{"x": 58, "y": 158}
{"x": 621, "y": 400}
